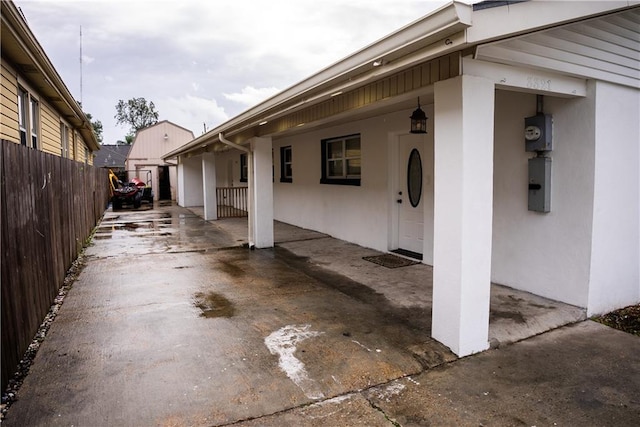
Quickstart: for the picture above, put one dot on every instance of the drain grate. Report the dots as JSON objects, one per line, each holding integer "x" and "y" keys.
{"x": 390, "y": 261}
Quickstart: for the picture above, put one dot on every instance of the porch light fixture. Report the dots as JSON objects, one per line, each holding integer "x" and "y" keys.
{"x": 166, "y": 136}
{"x": 418, "y": 120}
{"x": 262, "y": 123}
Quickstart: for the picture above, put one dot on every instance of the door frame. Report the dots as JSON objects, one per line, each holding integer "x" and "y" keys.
{"x": 393, "y": 235}
{"x": 393, "y": 141}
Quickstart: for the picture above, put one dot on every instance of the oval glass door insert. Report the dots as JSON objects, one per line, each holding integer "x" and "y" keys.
{"x": 414, "y": 178}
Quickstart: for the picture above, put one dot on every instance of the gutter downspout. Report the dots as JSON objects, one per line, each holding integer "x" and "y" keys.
{"x": 251, "y": 186}
{"x": 233, "y": 144}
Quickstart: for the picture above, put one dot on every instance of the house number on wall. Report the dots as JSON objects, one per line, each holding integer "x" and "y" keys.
{"x": 538, "y": 83}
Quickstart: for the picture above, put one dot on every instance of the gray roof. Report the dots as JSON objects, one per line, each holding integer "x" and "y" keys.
{"x": 111, "y": 156}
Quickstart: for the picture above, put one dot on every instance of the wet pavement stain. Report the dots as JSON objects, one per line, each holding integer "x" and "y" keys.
{"x": 512, "y": 315}
{"x": 136, "y": 225}
{"x": 213, "y": 305}
{"x": 403, "y": 326}
{"x": 102, "y": 236}
{"x": 230, "y": 268}
{"x": 546, "y": 307}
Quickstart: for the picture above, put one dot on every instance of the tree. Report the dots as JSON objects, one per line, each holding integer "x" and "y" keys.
{"x": 136, "y": 113}
{"x": 97, "y": 127}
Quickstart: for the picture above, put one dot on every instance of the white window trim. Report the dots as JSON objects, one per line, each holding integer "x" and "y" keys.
{"x": 34, "y": 125}
{"x": 76, "y": 138}
{"x": 64, "y": 142}
{"x": 26, "y": 97}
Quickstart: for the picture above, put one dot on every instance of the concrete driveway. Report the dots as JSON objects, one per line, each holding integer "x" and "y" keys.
{"x": 173, "y": 323}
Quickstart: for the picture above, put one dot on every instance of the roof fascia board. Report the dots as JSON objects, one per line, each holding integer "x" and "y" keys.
{"x": 37, "y": 56}
{"x": 496, "y": 53}
{"x": 442, "y": 47}
{"x": 528, "y": 80}
{"x": 436, "y": 22}
{"x": 525, "y": 17}
{"x": 448, "y": 19}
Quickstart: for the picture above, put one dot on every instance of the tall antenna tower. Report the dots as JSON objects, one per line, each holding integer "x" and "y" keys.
{"x": 80, "y": 65}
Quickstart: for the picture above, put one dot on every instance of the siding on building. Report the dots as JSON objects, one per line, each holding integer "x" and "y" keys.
{"x": 25, "y": 66}
{"x": 81, "y": 149}
{"x": 49, "y": 130}
{"x": 50, "y": 139}
{"x": 150, "y": 144}
{"x": 9, "y": 103}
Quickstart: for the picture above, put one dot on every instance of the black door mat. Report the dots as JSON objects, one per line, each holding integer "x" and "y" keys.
{"x": 390, "y": 261}
{"x": 404, "y": 252}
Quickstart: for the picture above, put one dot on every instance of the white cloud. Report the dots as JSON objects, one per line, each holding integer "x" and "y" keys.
{"x": 191, "y": 57}
{"x": 250, "y": 96}
{"x": 192, "y": 112}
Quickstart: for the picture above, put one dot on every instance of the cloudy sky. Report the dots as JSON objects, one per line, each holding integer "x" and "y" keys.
{"x": 202, "y": 61}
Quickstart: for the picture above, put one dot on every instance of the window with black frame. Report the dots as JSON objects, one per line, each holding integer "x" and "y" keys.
{"x": 286, "y": 168}
{"x": 244, "y": 168}
{"x": 341, "y": 160}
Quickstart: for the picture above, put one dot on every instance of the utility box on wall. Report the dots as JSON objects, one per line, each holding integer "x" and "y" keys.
{"x": 540, "y": 184}
{"x": 538, "y": 132}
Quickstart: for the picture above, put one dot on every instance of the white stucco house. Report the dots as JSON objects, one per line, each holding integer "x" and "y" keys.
{"x": 145, "y": 160}
{"x": 528, "y": 174}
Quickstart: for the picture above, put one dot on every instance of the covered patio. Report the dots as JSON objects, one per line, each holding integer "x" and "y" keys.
{"x": 514, "y": 315}
{"x": 472, "y": 190}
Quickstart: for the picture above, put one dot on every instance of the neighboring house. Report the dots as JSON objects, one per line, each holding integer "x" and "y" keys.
{"x": 112, "y": 157}
{"x": 145, "y": 157}
{"x": 528, "y": 174}
{"x": 38, "y": 110}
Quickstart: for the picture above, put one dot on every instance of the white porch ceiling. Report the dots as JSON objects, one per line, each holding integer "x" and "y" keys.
{"x": 605, "y": 48}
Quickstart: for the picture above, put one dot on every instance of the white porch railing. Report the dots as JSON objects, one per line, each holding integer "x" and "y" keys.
{"x": 232, "y": 202}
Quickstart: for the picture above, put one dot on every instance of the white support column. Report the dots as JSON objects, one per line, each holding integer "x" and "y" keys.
{"x": 251, "y": 213}
{"x": 261, "y": 193}
{"x": 192, "y": 191}
{"x": 463, "y": 214}
{"x": 180, "y": 195}
{"x": 209, "y": 186}
{"x": 614, "y": 273}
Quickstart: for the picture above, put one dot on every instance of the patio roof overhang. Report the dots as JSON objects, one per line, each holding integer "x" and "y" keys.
{"x": 603, "y": 48}
{"x": 434, "y": 35}
{"x": 419, "y": 54}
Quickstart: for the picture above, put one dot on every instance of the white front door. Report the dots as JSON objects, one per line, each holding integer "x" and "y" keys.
{"x": 410, "y": 193}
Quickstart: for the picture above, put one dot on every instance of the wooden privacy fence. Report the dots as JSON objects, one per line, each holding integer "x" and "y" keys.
{"x": 232, "y": 202}
{"x": 50, "y": 206}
